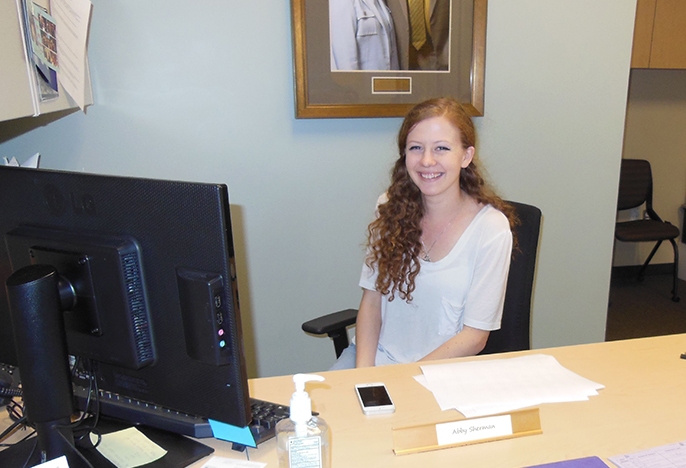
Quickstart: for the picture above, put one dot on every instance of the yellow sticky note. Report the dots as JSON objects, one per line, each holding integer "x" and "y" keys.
{"x": 128, "y": 448}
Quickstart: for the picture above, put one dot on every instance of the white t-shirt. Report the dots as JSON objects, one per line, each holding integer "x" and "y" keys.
{"x": 466, "y": 287}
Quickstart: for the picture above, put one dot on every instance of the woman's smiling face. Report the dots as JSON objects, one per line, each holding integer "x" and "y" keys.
{"x": 434, "y": 156}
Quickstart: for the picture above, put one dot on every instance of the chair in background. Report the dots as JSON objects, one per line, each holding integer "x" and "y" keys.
{"x": 635, "y": 190}
{"x": 514, "y": 334}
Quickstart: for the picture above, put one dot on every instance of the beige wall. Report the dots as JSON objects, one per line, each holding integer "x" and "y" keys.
{"x": 656, "y": 131}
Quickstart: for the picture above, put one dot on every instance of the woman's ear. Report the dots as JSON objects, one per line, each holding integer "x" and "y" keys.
{"x": 468, "y": 156}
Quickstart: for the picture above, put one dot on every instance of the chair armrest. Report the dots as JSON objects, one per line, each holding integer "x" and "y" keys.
{"x": 330, "y": 323}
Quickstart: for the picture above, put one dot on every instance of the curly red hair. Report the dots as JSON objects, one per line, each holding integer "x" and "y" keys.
{"x": 394, "y": 237}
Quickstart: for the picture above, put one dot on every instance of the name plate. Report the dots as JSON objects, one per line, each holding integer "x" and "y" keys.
{"x": 470, "y": 430}
{"x": 434, "y": 436}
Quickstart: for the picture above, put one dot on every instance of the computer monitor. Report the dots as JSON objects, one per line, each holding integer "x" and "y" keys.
{"x": 146, "y": 283}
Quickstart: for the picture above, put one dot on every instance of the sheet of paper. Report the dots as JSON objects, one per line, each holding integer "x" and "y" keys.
{"x": 665, "y": 456}
{"x": 221, "y": 462}
{"x": 128, "y": 448}
{"x": 73, "y": 19}
{"x": 479, "y": 388}
{"x": 60, "y": 462}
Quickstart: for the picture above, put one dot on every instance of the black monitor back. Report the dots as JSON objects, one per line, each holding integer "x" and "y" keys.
{"x": 178, "y": 342}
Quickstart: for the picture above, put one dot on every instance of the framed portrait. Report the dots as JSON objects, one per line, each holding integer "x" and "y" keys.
{"x": 363, "y": 58}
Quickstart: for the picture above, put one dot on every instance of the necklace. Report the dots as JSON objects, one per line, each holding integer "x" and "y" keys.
{"x": 426, "y": 257}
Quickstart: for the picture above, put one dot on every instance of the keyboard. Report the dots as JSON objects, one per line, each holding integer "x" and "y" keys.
{"x": 265, "y": 415}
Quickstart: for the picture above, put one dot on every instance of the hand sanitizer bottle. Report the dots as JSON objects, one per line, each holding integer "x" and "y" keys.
{"x": 303, "y": 440}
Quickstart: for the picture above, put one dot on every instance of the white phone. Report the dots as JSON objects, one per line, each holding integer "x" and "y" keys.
{"x": 374, "y": 398}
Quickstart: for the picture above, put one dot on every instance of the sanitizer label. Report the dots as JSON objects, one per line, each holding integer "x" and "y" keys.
{"x": 305, "y": 453}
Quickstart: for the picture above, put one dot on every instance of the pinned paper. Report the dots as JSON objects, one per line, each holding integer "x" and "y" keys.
{"x": 73, "y": 20}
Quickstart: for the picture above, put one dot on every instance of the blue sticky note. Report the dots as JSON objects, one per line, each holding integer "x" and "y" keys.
{"x": 238, "y": 435}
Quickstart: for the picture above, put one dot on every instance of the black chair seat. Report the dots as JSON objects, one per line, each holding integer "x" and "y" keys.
{"x": 645, "y": 230}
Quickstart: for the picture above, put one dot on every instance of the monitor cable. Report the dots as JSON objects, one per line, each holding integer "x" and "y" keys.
{"x": 86, "y": 425}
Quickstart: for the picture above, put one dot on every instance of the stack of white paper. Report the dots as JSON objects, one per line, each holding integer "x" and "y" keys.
{"x": 479, "y": 388}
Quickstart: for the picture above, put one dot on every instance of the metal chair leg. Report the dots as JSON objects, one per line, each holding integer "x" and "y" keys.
{"x": 641, "y": 272}
{"x": 675, "y": 292}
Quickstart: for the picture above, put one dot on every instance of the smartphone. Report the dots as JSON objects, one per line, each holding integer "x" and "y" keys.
{"x": 374, "y": 398}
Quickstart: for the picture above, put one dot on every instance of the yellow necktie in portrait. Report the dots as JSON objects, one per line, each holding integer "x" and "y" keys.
{"x": 417, "y": 23}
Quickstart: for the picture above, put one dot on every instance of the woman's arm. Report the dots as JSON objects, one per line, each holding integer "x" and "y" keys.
{"x": 368, "y": 328}
{"x": 468, "y": 342}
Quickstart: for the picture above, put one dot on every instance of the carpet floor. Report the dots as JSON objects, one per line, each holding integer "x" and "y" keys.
{"x": 641, "y": 309}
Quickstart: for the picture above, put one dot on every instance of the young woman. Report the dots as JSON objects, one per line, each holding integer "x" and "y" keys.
{"x": 438, "y": 252}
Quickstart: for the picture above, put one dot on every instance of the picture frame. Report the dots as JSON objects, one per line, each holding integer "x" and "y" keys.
{"x": 321, "y": 92}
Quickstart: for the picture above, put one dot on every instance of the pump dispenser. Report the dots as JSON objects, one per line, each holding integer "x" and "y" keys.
{"x": 303, "y": 440}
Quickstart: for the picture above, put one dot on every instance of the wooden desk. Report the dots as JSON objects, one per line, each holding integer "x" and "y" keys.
{"x": 643, "y": 405}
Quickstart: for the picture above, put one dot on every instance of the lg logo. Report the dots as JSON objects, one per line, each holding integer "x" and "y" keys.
{"x": 78, "y": 203}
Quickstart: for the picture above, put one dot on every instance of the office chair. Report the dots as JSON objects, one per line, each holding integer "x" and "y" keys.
{"x": 514, "y": 333}
{"x": 636, "y": 189}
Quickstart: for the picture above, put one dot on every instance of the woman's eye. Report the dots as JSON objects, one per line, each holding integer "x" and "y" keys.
{"x": 414, "y": 148}
{"x": 443, "y": 148}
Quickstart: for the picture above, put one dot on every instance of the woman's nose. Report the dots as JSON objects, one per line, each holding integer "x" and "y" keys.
{"x": 428, "y": 158}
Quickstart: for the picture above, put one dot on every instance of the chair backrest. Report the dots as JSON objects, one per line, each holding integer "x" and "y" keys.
{"x": 635, "y": 184}
{"x": 515, "y": 329}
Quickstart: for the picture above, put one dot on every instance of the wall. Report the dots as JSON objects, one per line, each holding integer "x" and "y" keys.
{"x": 655, "y": 119}
{"x": 203, "y": 91}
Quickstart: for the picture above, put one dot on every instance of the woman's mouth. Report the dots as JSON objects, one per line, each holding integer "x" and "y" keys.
{"x": 430, "y": 175}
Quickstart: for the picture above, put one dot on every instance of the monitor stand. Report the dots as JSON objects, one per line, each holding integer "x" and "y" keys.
{"x": 36, "y": 302}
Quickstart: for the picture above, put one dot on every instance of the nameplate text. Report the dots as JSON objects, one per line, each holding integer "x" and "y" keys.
{"x": 458, "y": 432}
